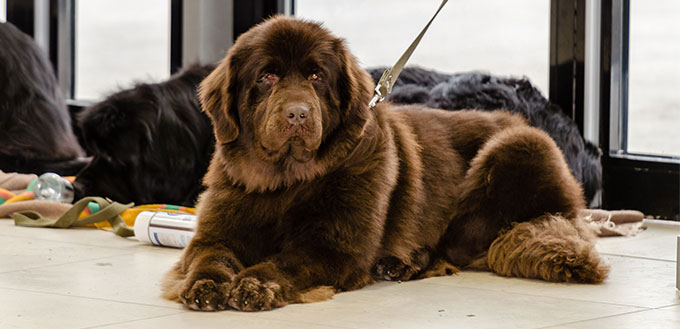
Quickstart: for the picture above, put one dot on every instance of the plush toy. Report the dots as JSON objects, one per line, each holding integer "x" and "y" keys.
{"x": 614, "y": 222}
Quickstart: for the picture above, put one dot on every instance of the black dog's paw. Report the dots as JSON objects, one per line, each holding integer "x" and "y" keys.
{"x": 206, "y": 295}
{"x": 393, "y": 269}
{"x": 251, "y": 294}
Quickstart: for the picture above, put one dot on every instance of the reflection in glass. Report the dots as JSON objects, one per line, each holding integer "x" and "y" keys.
{"x": 497, "y": 36}
{"x": 118, "y": 42}
{"x": 654, "y": 78}
{"x": 3, "y": 10}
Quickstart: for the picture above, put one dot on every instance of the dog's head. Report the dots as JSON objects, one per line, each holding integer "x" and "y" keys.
{"x": 150, "y": 143}
{"x": 285, "y": 97}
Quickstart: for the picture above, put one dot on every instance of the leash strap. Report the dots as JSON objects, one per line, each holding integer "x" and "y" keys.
{"x": 389, "y": 77}
{"x": 110, "y": 211}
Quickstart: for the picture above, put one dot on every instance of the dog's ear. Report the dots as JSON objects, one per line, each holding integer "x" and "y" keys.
{"x": 217, "y": 101}
{"x": 354, "y": 85}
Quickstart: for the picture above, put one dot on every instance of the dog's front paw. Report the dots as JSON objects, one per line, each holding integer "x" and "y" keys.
{"x": 393, "y": 269}
{"x": 206, "y": 295}
{"x": 250, "y": 294}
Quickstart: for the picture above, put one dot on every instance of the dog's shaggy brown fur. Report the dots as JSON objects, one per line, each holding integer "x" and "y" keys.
{"x": 310, "y": 192}
{"x": 550, "y": 248}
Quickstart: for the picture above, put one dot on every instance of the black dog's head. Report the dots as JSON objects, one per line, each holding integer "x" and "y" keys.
{"x": 150, "y": 144}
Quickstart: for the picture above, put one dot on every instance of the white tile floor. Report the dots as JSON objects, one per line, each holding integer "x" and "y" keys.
{"x": 87, "y": 278}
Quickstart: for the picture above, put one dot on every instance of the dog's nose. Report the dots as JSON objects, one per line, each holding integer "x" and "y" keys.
{"x": 296, "y": 114}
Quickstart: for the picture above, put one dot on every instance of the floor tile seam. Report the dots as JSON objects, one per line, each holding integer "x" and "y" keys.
{"x": 661, "y": 308}
{"x": 86, "y": 297}
{"x": 622, "y": 240}
{"x": 131, "y": 321}
{"x": 59, "y": 241}
{"x": 662, "y": 223}
{"x": 601, "y": 241}
{"x": 597, "y": 318}
{"x": 270, "y": 318}
{"x": 67, "y": 263}
{"x": 637, "y": 257}
{"x": 145, "y": 250}
{"x": 544, "y": 296}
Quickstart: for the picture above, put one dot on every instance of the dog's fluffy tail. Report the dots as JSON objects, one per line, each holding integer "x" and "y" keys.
{"x": 550, "y": 248}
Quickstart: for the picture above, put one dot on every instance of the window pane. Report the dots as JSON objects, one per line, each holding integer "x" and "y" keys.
{"x": 3, "y": 10}
{"x": 499, "y": 36}
{"x": 654, "y": 78}
{"x": 119, "y": 42}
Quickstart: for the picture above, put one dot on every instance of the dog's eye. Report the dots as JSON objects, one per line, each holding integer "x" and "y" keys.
{"x": 315, "y": 77}
{"x": 268, "y": 78}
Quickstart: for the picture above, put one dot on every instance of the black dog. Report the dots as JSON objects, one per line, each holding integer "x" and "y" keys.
{"x": 35, "y": 127}
{"x": 476, "y": 90}
{"x": 151, "y": 143}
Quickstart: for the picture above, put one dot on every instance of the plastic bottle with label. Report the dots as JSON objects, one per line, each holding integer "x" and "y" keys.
{"x": 165, "y": 229}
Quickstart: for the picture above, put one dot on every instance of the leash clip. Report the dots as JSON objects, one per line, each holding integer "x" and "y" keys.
{"x": 384, "y": 86}
{"x": 382, "y": 89}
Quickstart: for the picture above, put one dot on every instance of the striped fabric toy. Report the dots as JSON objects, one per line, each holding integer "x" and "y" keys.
{"x": 129, "y": 215}
{"x": 7, "y": 196}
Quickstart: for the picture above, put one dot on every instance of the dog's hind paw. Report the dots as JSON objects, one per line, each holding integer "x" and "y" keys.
{"x": 206, "y": 295}
{"x": 393, "y": 269}
{"x": 584, "y": 268}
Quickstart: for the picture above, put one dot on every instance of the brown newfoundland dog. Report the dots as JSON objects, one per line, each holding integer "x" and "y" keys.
{"x": 312, "y": 192}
